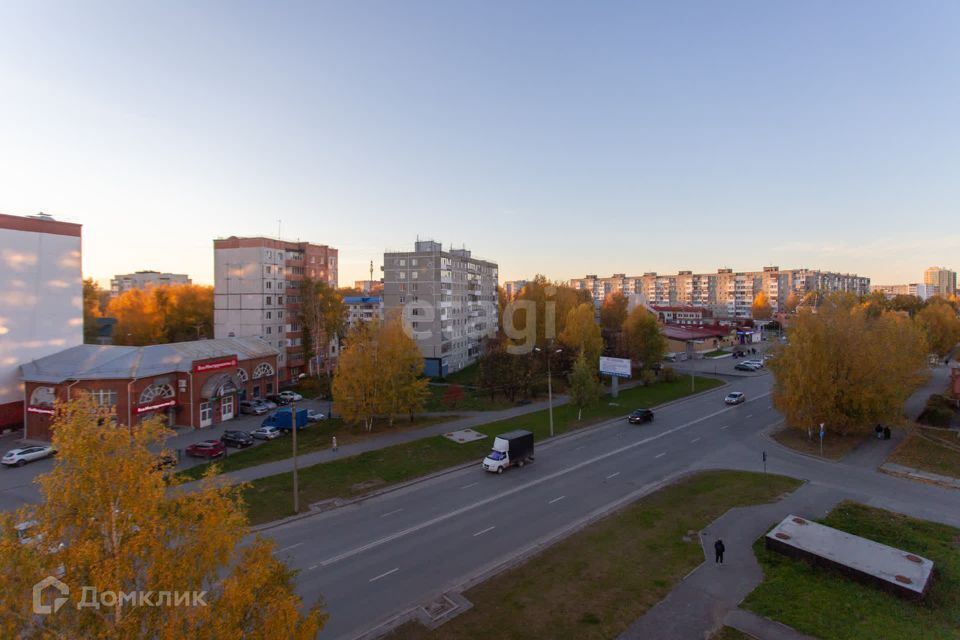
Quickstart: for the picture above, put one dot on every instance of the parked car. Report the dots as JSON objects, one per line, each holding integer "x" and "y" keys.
{"x": 238, "y": 439}
{"x": 315, "y": 416}
{"x": 670, "y": 357}
{"x": 266, "y": 402}
{"x": 640, "y": 416}
{"x": 206, "y": 449}
{"x": 735, "y": 397}
{"x": 252, "y": 407}
{"x": 742, "y": 366}
{"x": 277, "y": 399}
{"x": 754, "y": 363}
{"x": 20, "y": 457}
{"x": 266, "y": 433}
{"x": 291, "y": 396}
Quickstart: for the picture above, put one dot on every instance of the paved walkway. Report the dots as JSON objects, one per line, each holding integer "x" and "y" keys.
{"x": 760, "y": 627}
{"x": 702, "y": 602}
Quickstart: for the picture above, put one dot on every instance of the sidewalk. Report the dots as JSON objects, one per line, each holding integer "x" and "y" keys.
{"x": 705, "y": 599}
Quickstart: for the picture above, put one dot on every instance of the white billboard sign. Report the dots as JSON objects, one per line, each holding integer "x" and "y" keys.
{"x": 619, "y": 367}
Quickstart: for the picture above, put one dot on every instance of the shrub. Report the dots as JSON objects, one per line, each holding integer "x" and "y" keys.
{"x": 669, "y": 374}
{"x": 647, "y": 377}
{"x": 453, "y": 396}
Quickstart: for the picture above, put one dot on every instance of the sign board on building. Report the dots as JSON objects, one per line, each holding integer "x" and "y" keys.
{"x": 619, "y": 367}
{"x": 40, "y": 410}
{"x": 227, "y": 363}
{"x": 157, "y": 405}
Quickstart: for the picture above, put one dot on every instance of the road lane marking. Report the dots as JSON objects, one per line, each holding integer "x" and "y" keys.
{"x": 293, "y": 546}
{"x": 311, "y": 567}
{"x": 580, "y": 447}
{"x": 557, "y": 499}
{"x": 483, "y": 531}
{"x": 749, "y": 415}
{"x": 472, "y": 484}
{"x": 726, "y": 426}
{"x": 390, "y": 513}
{"x": 384, "y": 575}
{"x": 694, "y": 440}
{"x": 660, "y": 455}
{"x": 613, "y": 475}
{"x": 522, "y": 487}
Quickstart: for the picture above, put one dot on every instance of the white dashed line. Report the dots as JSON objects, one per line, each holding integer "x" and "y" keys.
{"x": 694, "y": 440}
{"x": 749, "y": 415}
{"x": 390, "y": 513}
{"x": 311, "y": 567}
{"x": 293, "y": 546}
{"x": 472, "y": 484}
{"x": 613, "y": 475}
{"x": 384, "y": 575}
{"x": 660, "y": 455}
{"x": 557, "y": 499}
{"x": 483, "y": 531}
{"x": 724, "y": 427}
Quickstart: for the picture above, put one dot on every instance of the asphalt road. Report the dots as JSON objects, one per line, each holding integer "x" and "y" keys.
{"x": 375, "y": 559}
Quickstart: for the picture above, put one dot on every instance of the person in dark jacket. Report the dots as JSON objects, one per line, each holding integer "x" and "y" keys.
{"x": 719, "y": 548}
{"x": 886, "y": 433}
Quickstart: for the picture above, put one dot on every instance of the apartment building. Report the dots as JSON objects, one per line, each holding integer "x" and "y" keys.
{"x": 448, "y": 300}
{"x": 363, "y": 309}
{"x": 513, "y": 287}
{"x": 42, "y": 295}
{"x": 144, "y": 280}
{"x": 726, "y": 293}
{"x": 943, "y": 279}
{"x": 257, "y": 294}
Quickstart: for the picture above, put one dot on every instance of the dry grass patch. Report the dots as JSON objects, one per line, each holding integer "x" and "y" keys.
{"x": 921, "y": 453}
{"x": 834, "y": 447}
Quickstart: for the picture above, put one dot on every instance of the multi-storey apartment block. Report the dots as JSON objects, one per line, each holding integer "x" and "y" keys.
{"x": 727, "y": 293}
{"x": 448, "y": 300}
{"x": 144, "y": 280}
{"x": 943, "y": 279}
{"x": 363, "y": 309}
{"x": 513, "y": 287}
{"x": 257, "y": 293}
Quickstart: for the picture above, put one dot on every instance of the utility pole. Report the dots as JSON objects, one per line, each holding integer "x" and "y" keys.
{"x": 296, "y": 486}
{"x": 550, "y": 352}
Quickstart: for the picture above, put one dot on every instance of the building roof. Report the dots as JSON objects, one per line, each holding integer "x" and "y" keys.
{"x": 362, "y": 300}
{"x": 104, "y": 362}
{"x": 657, "y": 307}
{"x": 683, "y": 332}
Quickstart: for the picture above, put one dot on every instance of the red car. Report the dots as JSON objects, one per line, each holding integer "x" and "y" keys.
{"x": 206, "y": 449}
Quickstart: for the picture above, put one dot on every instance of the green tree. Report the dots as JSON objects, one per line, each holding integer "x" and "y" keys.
{"x": 847, "y": 369}
{"x": 323, "y": 319}
{"x": 613, "y": 313}
{"x": 644, "y": 342}
{"x": 108, "y": 521}
{"x": 584, "y": 387}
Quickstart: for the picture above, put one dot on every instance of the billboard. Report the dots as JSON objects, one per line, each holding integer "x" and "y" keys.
{"x": 619, "y": 367}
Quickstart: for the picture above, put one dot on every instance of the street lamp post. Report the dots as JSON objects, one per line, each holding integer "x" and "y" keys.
{"x": 296, "y": 487}
{"x": 549, "y": 385}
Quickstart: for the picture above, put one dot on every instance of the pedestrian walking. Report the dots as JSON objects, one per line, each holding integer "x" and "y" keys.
{"x": 719, "y": 548}
{"x": 886, "y": 433}
{"x": 334, "y": 444}
{"x": 879, "y": 431}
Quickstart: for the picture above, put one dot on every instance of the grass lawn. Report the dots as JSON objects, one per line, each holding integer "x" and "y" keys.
{"x": 313, "y": 438}
{"x": 268, "y": 498}
{"x": 716, "y": 353}
{"x": 920, "y": 453}
{"x": 472, "y": 400}
{"x": 595, "y": 583}
{"x": 834, "y": 446}
{"x": 466, "y": 376}
{"x": 822, "y": 603}
{"x": 729, "y": 633}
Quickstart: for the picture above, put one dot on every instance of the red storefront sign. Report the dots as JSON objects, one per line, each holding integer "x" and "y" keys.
{"x": 46, "y": 412}
{"x": 157, "y": 405}
{"x": 229, "y": 363}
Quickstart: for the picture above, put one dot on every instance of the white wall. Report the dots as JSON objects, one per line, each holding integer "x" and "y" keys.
{"x": 41, "y": 301}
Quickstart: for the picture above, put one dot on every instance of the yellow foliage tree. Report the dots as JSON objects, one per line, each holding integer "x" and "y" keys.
{"x": 939, "y": 322}
{"x": 404, "y": 390}
{"x": 644, "y": 342}
{"x": 791, "y": 303}
{"x": 172, "y": 313}
{"x": 761, "y": 309}
{"x": 110, "y": 523}
{"x": 847, "y": 369}
{"x": 139, "y": 321}
{"x": 581, "y": 333}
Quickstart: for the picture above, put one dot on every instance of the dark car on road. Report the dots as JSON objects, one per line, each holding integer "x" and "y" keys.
{"x": 278, "y": 400}
{"x": 238, "y": 439}
{"x": 206, "y": 449}
{"x": 640, "y": 416}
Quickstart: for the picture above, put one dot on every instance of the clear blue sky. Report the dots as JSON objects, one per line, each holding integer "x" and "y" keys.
{"x": 554, "y": 137}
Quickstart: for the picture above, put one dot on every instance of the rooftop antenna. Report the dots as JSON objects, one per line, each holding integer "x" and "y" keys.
{"x": 279, "y": 226}
{"x": 371, "y": 274}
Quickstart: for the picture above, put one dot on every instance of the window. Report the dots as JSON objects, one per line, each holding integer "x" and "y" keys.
{"x": 269, "y": 300}
{"x": 263, "y": 369}
{"x": 269, "y": 387}
{"x": 269, "y": 284}
{"x": 269, "y": 329}
{"x": 152, "y": 393}
{"x": 45, "y": 396}
{"x": 242, "y": 376}
{"x": 279, "y": 299}
{"x": 279, "y": 315}
{"x": 268, "y": 315}
{"x": 402, "y": 275}
{"x": 415, "y": 275}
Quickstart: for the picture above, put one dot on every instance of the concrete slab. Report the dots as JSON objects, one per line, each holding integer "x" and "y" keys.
{"x": 898, "y": 571}
{"x": 464, "y": 435}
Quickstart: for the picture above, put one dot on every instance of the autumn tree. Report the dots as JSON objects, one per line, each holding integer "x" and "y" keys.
{"x": 791, "y": 303}
{"x": 109, "y": 522}
{"x": 761, "y": 308}
{"x": 139, "y": 321}
{"x": 846, "y": 369}
{"x": 91, "y": 310}
{"x": 379, "y": 374}
{"x": 540, "y": 311}
{"x": 908, "y": 303}
{"x": 509, "y": 373}
{"x": 584, "y": 388}
{"x": 186, "y": 311}
{"x": 581, "y": 334}
{"x": 323, "y": 318}
{"x": 643, "y": 340}
{"x": 613, "y": 313}
{"x": 939, "y": 322}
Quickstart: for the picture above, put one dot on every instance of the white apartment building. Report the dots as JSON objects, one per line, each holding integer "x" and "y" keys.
{"x": 448, "y": 300}
{"x": 42, "y": 300}
{"x": 144, "y": 280}
{"x": 257, "y": 294}
{"x": 945, "y": 280}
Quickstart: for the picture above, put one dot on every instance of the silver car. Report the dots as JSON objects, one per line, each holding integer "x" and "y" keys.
{"x": 19, "y": 457}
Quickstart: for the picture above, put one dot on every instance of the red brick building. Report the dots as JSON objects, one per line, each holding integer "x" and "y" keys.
{"x": 195, "y": 384}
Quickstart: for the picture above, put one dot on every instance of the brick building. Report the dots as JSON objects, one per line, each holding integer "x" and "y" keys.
{"x": 194, "y": 384}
